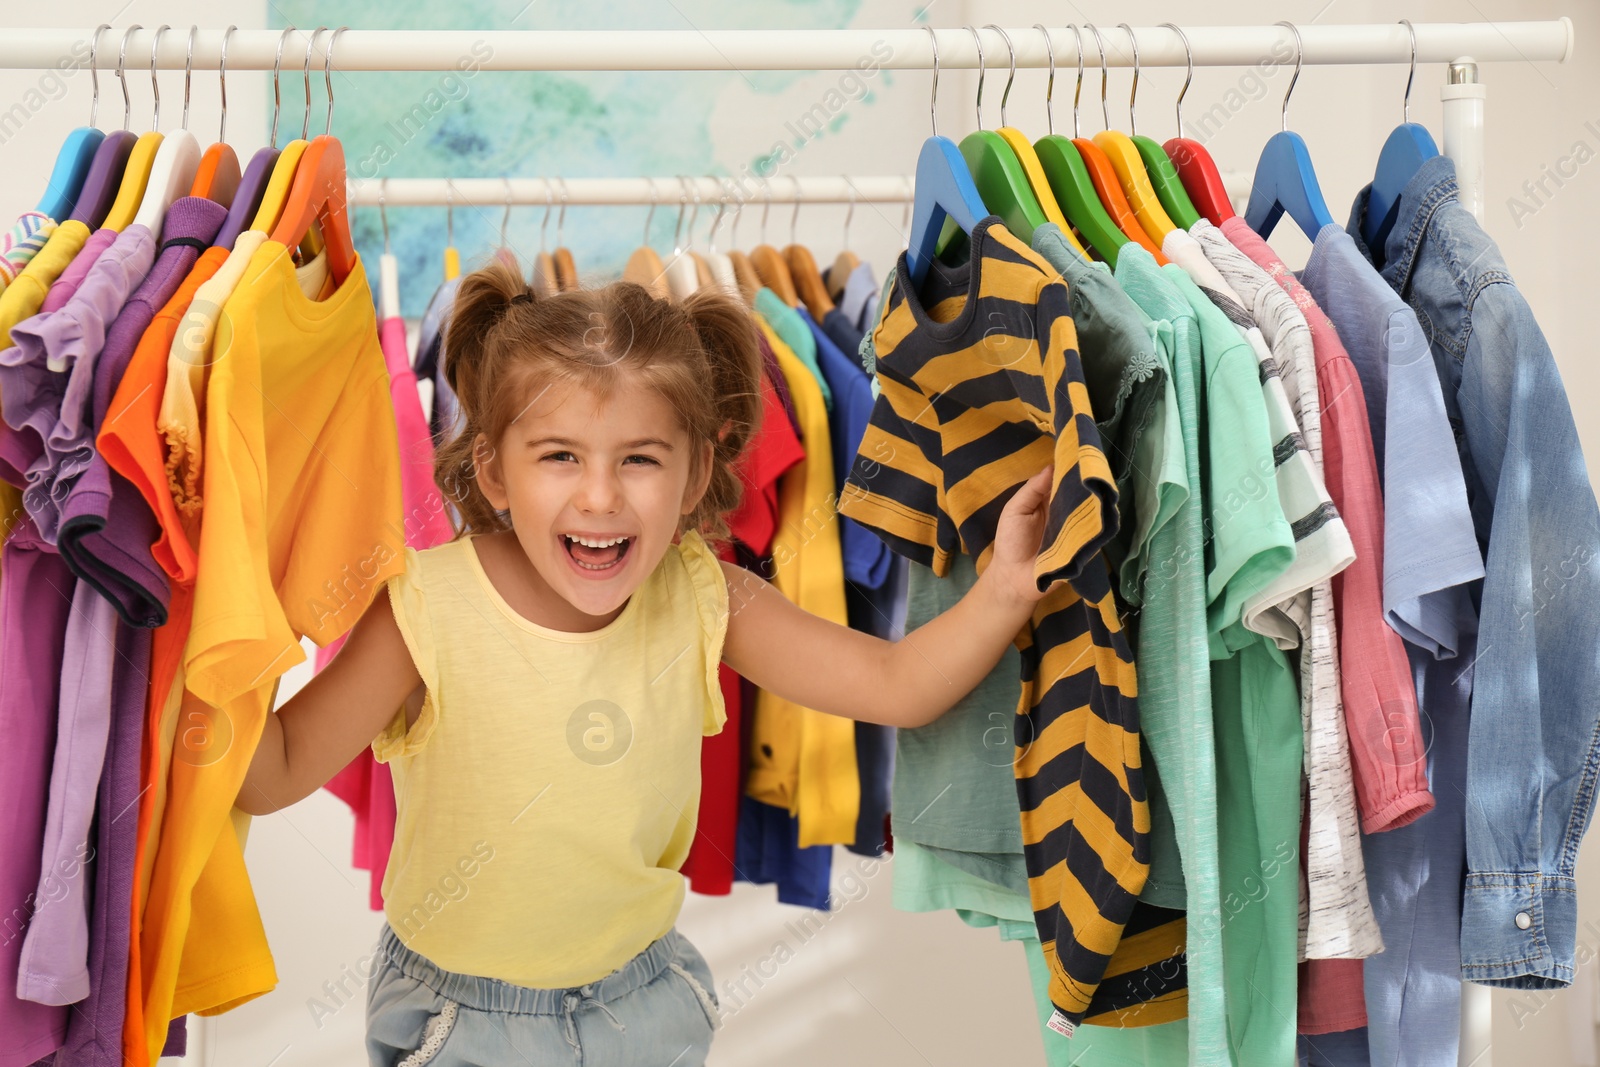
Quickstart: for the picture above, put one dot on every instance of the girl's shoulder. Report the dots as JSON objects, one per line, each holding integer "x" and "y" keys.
{"x": 692, "y": 566}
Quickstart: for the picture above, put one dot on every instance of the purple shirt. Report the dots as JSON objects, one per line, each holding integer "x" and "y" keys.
{"x": 34, "y": 601}
{"x": 47, "y": 376}
{"x": 74, "y": 273}
{"x": 106, "y": 527}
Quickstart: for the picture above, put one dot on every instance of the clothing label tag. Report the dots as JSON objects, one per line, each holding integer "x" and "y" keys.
{"x": 1061, "y": 1024}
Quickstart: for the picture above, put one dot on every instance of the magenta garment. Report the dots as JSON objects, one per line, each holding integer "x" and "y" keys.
{"x": 106, "y": 527}
{"x": 365, "y": 784}
{"x": 47, "y": 376}
{"x": 34, "y": 601}
{"x": 73, "y": 274}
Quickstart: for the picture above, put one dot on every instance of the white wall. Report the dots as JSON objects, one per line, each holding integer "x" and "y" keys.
{"x": 876, "y": 985}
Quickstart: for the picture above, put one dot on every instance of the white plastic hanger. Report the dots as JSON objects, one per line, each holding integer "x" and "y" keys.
{"x": 682, "y": 278}
{"x": 172, "y": 173}
{"x": 721, "y": 265}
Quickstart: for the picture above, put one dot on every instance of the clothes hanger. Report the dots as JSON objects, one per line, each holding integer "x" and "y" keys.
{"x": 1064, "y": 167}
{"x": 1285, "y": 180}
{"x": 99, "y": 187}
{"x": 130, "y": 191}
{"x": 218, "y": 175}
{"x": 945, "y": 189}
{"x": 388, "y": 266}
{"x": 845, "y": 263}
{"x": 1198, "y": 171}
{"x": 77, "y": 152}
{"x": 173, "y": 169}
{"x": 1129, "y": 165}
{"x": 276, "y": 195}
{"x": 997, "y": 173}
{"x": 1408, "y": 147}
{"x": 644, "y": 266}
{"x": 258, "y": 173}
{"x": 319, "y": 192}
{"x": 544, "y": 264}
{"x": 682, "y": 278}
{"x": 1027, "y": 158}
{"x": 722, "y": 272}
{"x": 702, "y": 269}
{"x": 1162, "y": 175}
{"x": 744, "y": 273}
{"x": 452, "y": 257}
{"x": 770, "y": 267}
{"x": 803, "y": 268}
{"x": 1107, "y": 186}
{"x": 566, "y": 266}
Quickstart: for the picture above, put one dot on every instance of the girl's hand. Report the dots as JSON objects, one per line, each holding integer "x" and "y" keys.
{"x": 1017, "y": 537}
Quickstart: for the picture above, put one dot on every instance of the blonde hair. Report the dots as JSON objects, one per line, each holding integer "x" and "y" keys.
{"x": 505, "y": 341}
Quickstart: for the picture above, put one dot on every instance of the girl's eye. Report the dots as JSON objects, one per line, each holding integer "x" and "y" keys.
{"x": 558, "y": 456}
{"x": 650, "y": 460}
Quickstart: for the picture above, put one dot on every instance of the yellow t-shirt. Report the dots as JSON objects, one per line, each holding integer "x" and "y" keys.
{"x": 547, "y": 791}
{"x": 303, "y": 524}
{"x": 802, "y": 759}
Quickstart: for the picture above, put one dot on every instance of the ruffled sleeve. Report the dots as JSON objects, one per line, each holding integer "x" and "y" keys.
{"x": 408, "y": 600}
{"x": 710, "y": 587}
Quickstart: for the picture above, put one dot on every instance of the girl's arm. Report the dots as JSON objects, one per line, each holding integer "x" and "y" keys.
{"x": 338, "y": 713}
{"x": 822, "y": 665}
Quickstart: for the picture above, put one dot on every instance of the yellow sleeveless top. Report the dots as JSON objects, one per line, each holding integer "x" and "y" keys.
{"x": 547, "y": 792}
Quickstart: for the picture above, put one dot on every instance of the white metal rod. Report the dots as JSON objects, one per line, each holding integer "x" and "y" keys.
{"x": 489, "y": 192}
{"x": 1463, "y": 98}
{"x": 901, "y": 49}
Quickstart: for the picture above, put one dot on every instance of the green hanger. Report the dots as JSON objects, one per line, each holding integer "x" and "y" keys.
{"x": 1157, "y": 164}
{"x": 1069, "y": 177}
{"x": 998, "y": 174}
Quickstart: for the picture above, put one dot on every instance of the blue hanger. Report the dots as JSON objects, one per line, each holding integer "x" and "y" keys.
{"x": 945, "y": 189}
{"x": 1409, "y": 146}
{"x": 72, "y": 162}
{"x": 1285, "y": 179}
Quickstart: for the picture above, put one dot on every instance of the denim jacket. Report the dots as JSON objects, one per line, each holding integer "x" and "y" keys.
{"x": 1534, "y": 741}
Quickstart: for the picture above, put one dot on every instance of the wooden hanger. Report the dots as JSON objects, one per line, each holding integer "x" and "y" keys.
{"x": 1129, "y": 166}
{"x": 217, "y": 178}
{"x": 78, "y": 152}
{"x": 644, "y": 266}
{"x": 945, "y": 190}
{"x": 846, "y": 262}
{"x": 173, "y": 168}
{"x": 1197, "y": 170}
{"x": 996, "y": 172}
{"x": 1158, "y": 167}
{"x": 566, "y": 270}
{"x": 744, "y": 273}
{"x": 319, "y": 191}
{"x": 1407, "y": 148}
{"x": 104, "y": 180}
{"x": 1285, "y": 180}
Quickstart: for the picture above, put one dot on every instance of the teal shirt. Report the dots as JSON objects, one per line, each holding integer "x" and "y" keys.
{"x": 792, "y": 331}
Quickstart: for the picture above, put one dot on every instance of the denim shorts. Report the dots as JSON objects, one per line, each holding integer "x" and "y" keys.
{"x": 657, "y": 1010}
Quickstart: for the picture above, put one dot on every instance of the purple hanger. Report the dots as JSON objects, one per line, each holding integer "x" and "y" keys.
{"x": 247, "y": 200}
{"x": 104, "y": 179}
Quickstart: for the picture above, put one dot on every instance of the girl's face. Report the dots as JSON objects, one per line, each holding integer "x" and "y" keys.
{"x": 596, "y": 487}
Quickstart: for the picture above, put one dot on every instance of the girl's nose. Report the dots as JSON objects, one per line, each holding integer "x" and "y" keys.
{"x": 599, "y": 492}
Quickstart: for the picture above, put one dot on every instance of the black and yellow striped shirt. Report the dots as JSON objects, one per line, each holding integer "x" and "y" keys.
{"x": 981, "y": 387}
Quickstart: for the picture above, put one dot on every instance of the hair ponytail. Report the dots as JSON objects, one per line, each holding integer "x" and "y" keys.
{"x": 732, "y": 351}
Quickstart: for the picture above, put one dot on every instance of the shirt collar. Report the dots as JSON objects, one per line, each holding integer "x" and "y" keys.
{"x": 1433, "y": 184}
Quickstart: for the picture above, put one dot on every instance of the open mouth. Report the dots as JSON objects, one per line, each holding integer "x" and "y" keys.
{"x": 597, "y": 554}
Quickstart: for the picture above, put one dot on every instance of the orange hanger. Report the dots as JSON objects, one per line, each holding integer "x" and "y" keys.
{"x": 745, "y": 272}
{"x": 1127, "y": 168}
{"x": 218, "y": 177}
{"x": 1116, "y": 204}
{"x": 318, "y": 194}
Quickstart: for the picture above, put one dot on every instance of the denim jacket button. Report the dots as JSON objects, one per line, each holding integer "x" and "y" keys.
{"x": 1524, "y": 920}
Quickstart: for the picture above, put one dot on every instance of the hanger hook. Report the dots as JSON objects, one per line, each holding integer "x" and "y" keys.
{"x": 155, "y": 86}
{"x": 1299, "y": 54}
{"x": 977, "y": 39}
{"x": 655, "y": 198}
{"x": 94, "y": 71}
{"x": 1011, "y": 51}
{"x": 327, "y": 77}
{"x": 733, "y": 227}
{"x": 1133, "y": 93}
{"x": 716, "y": 220}
{"x": 850, "y": 212}
{"x": 449, "y": 213}
{"x": 222, "y": 76}
{"x": 1105, "y": 113}
{"x": 905, "y": 212}
{"x": 549, "y": 206}
{"x": 505, "y": 219}
{"x": 122, "y": 74}
{"x": 766, "y": 208}
{"x": 933, "y": 103}
{"x": 383, "y": 213}
{"x": 794, "y": 219}
{"x": 683, "y": 209}
{"x": 188, "y": 70}
{"x": 311, "y": 44}
{"x": 277, "y": 93}
{"x": 561, "y": 219}
{"x": 1188, "y": 77}
{"x": 1077, "y": 35}
{"x": 1412, "y": 31}
{"x": 1050, "y": 86}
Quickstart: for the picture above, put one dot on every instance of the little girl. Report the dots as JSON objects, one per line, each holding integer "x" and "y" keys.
{"x": 540, "y": 684}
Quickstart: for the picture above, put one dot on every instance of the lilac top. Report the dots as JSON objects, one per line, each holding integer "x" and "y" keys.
{"x": 47, "y": 376}
{"x": 34, "y": 600}
{"x": 106, "y": 527}
{"x": 75, "y": 272}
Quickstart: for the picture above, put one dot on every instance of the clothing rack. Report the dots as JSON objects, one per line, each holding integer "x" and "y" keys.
{"x": 1461, "y": 45}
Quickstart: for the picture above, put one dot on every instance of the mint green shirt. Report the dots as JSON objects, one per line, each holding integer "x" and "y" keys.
{"x": 792, "y": 331}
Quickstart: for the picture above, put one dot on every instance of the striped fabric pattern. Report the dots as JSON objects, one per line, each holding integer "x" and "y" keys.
{"x": 980, "y": 387}
{"x": 19, "y": 244}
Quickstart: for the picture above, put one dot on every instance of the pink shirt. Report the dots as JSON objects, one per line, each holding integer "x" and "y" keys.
{"x": 78, "y": 269}
{"x": 1387, "y": 747}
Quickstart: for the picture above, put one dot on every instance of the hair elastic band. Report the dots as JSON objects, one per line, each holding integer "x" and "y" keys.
{"x": 522, "y": 298}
